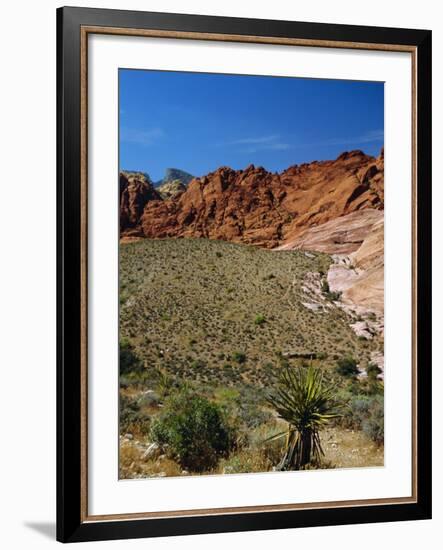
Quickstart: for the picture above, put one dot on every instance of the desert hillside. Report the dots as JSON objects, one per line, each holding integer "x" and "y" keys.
{"x": 224, "y": 319}
{"x": 243, "y": 300}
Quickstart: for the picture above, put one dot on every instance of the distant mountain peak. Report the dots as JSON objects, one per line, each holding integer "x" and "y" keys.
{"x": 175, "y": 174}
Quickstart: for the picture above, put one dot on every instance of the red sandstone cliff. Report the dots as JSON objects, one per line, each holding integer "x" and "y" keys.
{"x": 254, "y": 206}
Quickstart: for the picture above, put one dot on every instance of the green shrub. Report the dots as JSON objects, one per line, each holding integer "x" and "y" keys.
{"x": 366, "y": 412}
{"x": 132, "y": 419}
{"x": 374, "y": 425}
{"x": 239, "y": 357}
{"x": 193, "y": 431}
{"x": 360, "y": 407}
{"x": 325, "y": 286}
{"x": 198, "y": 364}
{"x": 245, "y": 408}
{"x": 347, "y": 366}
{"x": 149, "y": 399}
{"x": 330, "y": 295}
{"x": 129, "y": 361}
{"x": 334, "y": 296}
{"x": 373, "y": 371}
{"x": 165, "y": 383}
{"x": 259, "y": 320}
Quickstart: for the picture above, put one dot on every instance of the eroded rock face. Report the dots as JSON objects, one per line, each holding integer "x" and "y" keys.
{"x": 258, "y": 207}
{"x": 342, "y": 235}
{"x": 360, "y": 276}
{"x": 135, "y": 191}
{"x": 368, "y": 289}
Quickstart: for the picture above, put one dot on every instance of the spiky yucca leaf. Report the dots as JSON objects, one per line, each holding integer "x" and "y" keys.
{"x": 307, "y": 405}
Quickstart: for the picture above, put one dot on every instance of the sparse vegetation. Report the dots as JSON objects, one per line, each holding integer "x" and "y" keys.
{"x": 347, "y": 366}
{"x": 133, "y": 418}
{"x": 332, "y": 296}
{"x": 129, "y": 361}
{"x": 239, "y": 357}
{"x": 219, "y": 322}
{"x": 259, "y": 320}
{"x": 373, "y": 371}
{"x": 365, "y": 412}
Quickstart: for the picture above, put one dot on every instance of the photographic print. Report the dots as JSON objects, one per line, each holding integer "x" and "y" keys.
{"x": 251, "y": 270}
{"x": 224, "y": 285}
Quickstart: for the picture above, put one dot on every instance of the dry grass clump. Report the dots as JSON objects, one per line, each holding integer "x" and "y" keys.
{"x": 133, "y": 465}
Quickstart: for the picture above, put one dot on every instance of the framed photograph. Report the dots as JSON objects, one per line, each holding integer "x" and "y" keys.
{"x": 244, "y": 274}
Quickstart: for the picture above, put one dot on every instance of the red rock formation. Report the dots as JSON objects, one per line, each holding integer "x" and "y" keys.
{"x": 258, "y": 207}
{"x": 135, "y": 191}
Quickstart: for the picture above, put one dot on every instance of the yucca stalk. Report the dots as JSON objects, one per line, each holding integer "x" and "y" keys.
{"x": 307, "y": 405}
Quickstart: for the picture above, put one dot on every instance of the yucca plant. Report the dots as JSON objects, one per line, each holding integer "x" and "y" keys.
{"x": 307, "y": 405}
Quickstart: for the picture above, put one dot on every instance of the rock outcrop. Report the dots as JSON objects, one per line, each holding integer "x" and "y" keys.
{"x": 360, "y": 276}
{"x": 342, "y": 235}
{"x": 368, "y": 289}
{"x": 170, "y": 189}
{"x": 254, "y": 206}
{"x": 136, "y": 190}
{"x": 356, "y": 244}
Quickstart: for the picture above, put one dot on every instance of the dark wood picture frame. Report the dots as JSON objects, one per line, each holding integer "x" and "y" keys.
{"x": 73, "y": 522}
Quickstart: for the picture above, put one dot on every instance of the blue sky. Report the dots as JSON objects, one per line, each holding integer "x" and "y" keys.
{"x": 198, "y": 122}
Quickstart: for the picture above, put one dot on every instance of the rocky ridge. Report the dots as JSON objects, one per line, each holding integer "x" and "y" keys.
{"x": 254, "y": 206}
